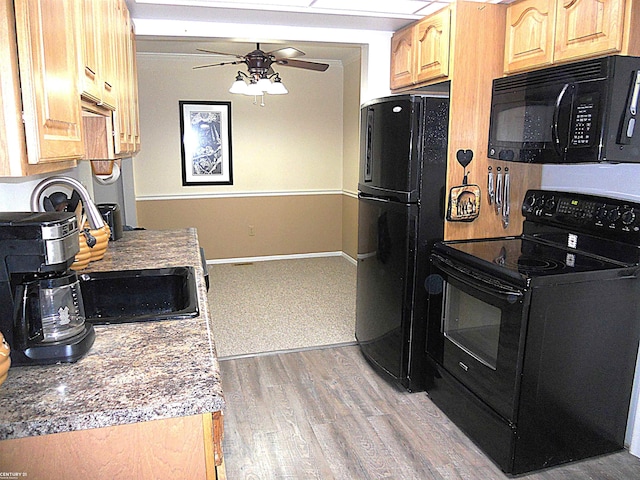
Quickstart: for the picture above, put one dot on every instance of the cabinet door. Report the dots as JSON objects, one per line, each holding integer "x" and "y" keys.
{"x": 530, "y": 35}
{"x": 588, "y": 27}
{"x": 125, "y": 122}
{"x": 89, "y": 66}
{"x": 96, "y": 44}
{"x": 431, "y": 46}
{"x": 106, "y": 19}
{"x": 402, "y": 58}
{"x": 47, "y": 48}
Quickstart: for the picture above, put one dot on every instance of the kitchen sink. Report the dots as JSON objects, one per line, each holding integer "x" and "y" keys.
{"x": 139, "y": 295}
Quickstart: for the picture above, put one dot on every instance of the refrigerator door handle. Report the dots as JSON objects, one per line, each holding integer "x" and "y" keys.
{"x": 374, "y": 198}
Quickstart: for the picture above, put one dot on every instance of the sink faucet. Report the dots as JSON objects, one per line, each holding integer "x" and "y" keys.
{"x": 92, "y": 212}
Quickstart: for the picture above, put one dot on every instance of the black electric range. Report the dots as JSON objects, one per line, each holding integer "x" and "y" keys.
{"x": 521, "y": 331}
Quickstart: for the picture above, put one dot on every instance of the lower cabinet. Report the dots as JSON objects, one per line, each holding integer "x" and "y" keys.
{"x": 182, "y": 447}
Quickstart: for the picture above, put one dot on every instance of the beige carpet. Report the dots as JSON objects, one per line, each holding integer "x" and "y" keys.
{"x": 282, "y": 305}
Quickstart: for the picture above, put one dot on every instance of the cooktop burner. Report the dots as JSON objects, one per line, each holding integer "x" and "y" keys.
{"x": 529, "y": 264}
{"x": 528, "y": 257}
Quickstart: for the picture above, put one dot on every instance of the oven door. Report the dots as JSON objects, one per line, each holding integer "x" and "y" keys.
{"x": 476, "y": 326}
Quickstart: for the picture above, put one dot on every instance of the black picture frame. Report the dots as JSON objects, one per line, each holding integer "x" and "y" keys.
{"x": 205, "y": 143}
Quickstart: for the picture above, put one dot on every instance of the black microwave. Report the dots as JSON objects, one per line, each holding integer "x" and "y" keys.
{"x": 583, "y": 112}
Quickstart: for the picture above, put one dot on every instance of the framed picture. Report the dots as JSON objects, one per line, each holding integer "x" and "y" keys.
{"x": 205, "y": 132}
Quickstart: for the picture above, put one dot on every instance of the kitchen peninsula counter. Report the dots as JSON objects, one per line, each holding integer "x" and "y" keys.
{"x": 135, "y": 372}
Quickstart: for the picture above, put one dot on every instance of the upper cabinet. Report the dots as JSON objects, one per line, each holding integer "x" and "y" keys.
{"x": 60, "y": 58}
{"x": 420, "y": 52}
{"x": 588, "y": 27}
{"x": 402, "y": 58}
{"x": 126, "y": 117}
{"x": 48, "y": 54}
{"x": 530, "y": 34}
{"x": 96, "y": 21}
{"x": 432, "y": 45}
{"x": 542, "y": 32}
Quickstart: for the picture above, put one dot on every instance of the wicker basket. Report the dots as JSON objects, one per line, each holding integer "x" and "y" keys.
{"x": 94, "y": 253}
{"x": 5, "y": 359}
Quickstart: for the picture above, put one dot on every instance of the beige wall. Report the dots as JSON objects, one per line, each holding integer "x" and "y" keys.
{"x": 293, "y": 143}
{"x": 351, "y": 157}
{"x": 253, "y": 226}
{"x": 292, "y": 159}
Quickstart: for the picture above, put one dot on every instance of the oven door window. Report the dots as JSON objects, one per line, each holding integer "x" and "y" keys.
{"x": 472, "y": 325}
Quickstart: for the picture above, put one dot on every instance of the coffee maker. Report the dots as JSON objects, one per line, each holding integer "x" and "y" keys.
{"x": 41, "y": 310}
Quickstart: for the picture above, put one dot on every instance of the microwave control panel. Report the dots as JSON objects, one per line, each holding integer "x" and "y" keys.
{"x": 585, "y": 111}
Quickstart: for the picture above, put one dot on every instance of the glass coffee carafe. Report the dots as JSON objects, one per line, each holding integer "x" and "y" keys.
{"x": 61, "y": 308}
{"x": 53, "y": 309}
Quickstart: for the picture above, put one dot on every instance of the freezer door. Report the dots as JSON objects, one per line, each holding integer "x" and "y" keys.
{"x": 390, "y": 160}
{"x": 386, "y": 274}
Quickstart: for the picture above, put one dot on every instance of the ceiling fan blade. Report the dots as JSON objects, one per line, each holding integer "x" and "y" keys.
{"x": 220, "y": 53}
{"x": 287, "y": 52}
{"x": 319, "y": 67}
{"x": 218, "y": 64}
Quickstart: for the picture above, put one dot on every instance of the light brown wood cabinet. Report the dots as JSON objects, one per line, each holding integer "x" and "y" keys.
{"x": 420, "y": 51}
{"x": 181, "y": 447}
{"x": 544, "y": 32}
{"x": 432, "y": 45}
{"x": 402, "y": 67}
{"x": 126, "y": 115}
{"x": 48, "y": 84}
{"x": 530, "y": 35}
{"x": 58, "y": 56}
{"x": 96, "y": 21}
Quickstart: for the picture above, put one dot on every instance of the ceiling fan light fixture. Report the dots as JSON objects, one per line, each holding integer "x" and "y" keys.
{"x": 277, "y": 87}
{"x": 264, "y": 84}
{"x": 239, "y": 85}
{"x": 253, "y": 89}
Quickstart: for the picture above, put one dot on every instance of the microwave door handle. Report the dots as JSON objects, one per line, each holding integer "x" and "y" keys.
{"x": 631, "y": 109}
{"x": 555, "y": 136}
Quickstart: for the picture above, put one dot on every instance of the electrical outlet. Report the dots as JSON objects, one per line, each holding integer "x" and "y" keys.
{"x": 252, "y": 231}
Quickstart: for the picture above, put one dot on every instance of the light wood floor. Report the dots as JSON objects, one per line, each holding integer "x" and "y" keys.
{"x": 324, "y": 414}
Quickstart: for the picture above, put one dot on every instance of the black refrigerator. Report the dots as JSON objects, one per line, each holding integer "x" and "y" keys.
{"x": 400, "y": 216}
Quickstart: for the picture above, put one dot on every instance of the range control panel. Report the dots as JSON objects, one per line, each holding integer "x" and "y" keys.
{"x": 598, "y": 215}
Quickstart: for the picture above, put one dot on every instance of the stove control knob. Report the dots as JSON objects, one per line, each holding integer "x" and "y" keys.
{"x": 614, "y": 215}
{"x": 531, "y": 205}
{"x": 550, "y": 204}
{"x": 601, "y": 214}
{"x": 530, "y": 202}
{"x": 628, "y": 216}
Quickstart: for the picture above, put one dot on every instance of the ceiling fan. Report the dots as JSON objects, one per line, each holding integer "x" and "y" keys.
{"x": 259, "y": 62}
{"x": 262, "y": 79}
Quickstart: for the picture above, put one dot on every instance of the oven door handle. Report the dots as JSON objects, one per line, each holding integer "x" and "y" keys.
{"x": 495, "y": 289}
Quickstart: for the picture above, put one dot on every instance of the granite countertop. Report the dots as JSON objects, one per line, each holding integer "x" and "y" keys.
{"x": 134, "y": 372}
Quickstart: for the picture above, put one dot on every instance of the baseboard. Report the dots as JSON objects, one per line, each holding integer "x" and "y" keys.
{"x": 291, "y": 350}
{"x": 282, "y": 257}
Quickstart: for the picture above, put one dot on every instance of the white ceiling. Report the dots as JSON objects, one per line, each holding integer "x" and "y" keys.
{"x": 378, "y": 15}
